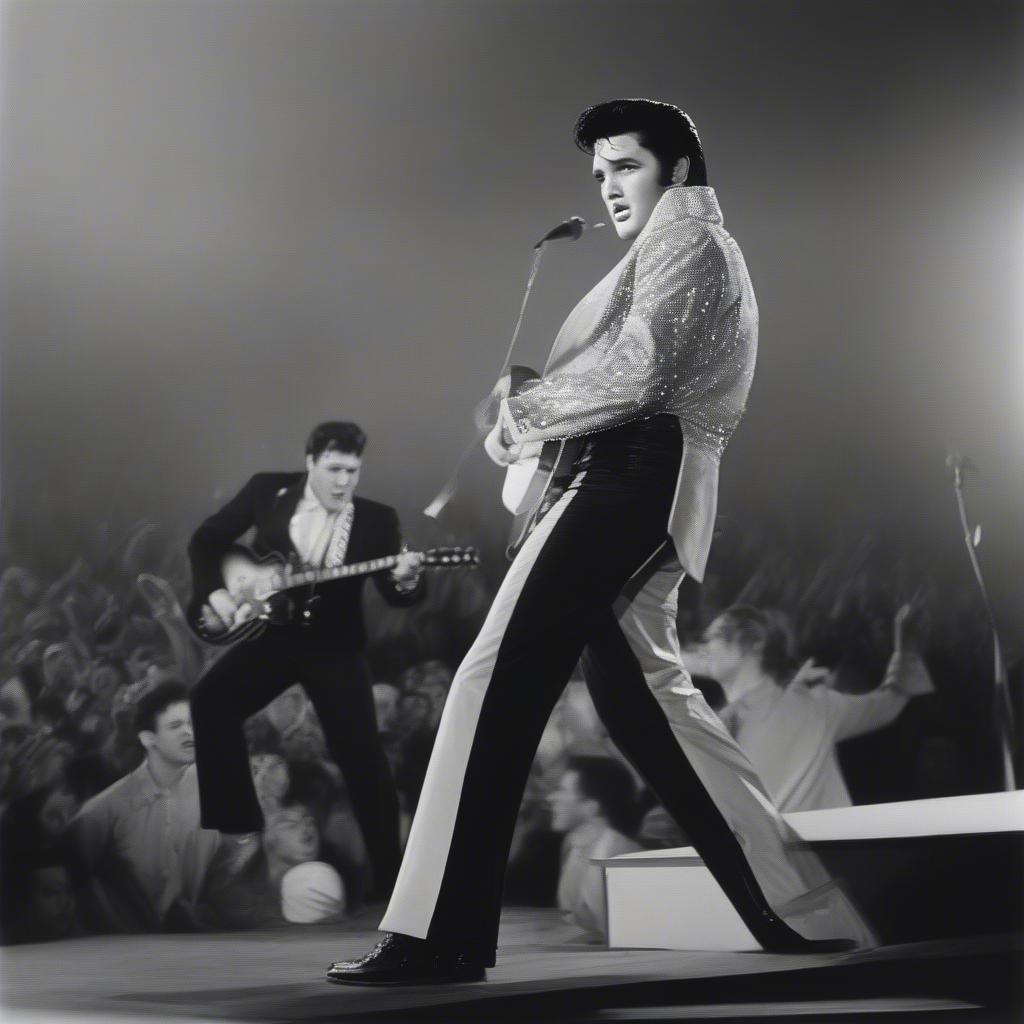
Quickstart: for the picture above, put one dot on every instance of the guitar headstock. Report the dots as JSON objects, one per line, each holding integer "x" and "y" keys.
{"x": 452, "y": 558}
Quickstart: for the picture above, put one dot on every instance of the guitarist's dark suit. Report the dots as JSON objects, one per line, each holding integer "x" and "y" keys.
{"x": 325, "y": 657}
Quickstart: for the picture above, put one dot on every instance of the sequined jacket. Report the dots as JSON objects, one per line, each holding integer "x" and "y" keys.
{"x": 672, "y": 328}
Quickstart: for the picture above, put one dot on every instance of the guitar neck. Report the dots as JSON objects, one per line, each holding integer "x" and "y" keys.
{"x": 304, "y": 577}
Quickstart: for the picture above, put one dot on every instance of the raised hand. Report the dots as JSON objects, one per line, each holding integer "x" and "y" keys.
{"x": 909, "y": 625}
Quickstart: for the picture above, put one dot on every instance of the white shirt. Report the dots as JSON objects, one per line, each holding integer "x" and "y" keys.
{"x": 790, "y": 732}
{"x": 312, "y": 527}
{"x": 581, "y": 892}
{"x": 151, "y": 831}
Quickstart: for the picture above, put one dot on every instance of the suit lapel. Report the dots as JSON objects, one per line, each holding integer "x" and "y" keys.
{"x": 282, "y": 508}
{"x": 357, "y": 538}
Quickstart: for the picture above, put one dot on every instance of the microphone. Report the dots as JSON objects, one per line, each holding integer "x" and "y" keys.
{"x": 959, "y": 464}
{"x": 571, "y": 229}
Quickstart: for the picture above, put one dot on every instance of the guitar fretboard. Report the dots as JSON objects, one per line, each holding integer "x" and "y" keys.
{"x": 282, "y": 581}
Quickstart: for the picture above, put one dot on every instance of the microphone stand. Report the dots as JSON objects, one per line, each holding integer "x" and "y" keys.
{"x": 1002, "y": 709}
{"x": 571, "y": 229}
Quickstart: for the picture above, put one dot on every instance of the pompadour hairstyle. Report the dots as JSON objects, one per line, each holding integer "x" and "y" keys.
{"x": 336, "y": 437}
{"x": 668, "y": 132}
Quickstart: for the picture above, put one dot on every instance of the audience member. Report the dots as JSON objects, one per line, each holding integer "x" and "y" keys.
{"x": 39, "y": 901}
{"x": 271, "y": 889}
{"x": 271, "y": 777}
{"x": 139, "y": 840}
{"x": 788, "y": 724}
{"x": 595, "y": 806}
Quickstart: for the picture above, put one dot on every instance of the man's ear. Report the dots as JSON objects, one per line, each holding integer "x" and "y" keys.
{"x": 147, "y": 738}
{"x": 310, "y": 463}
{"x": 681, "y": 171}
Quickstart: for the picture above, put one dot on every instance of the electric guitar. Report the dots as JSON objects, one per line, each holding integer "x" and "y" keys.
{"x": 264, "y": 584}
{"x": 528, "y": 481}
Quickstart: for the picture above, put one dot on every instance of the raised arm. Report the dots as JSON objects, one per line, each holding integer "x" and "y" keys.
{"x": 906, "y": 676}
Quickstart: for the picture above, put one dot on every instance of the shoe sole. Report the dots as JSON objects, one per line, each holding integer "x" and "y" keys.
{"x": 815, "y": 947}
{"x": 362, "y": 982}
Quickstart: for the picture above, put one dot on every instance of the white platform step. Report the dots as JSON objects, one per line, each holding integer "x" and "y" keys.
{"x": 899, "y": 861}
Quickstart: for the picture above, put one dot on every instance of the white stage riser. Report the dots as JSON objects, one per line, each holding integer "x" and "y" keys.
{"x": 919, "y": 870}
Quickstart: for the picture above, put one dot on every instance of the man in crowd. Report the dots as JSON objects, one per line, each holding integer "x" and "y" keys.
{"x": 284, "y": 881}
{"x": 140, "y": 840}
{"x": 787, "y": 725}
{"x": 594, "y": 805}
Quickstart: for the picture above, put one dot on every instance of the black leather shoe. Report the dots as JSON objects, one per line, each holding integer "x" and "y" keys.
{"x": 777, "y": 937}
{"x": 402, "y": 960}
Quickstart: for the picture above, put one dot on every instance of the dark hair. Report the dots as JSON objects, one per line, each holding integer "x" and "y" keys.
{"x": 766, "y": 630}
{"x": 609, "y": 783}
{"x": 668, "y": 132}
{"x": 335, "y": 437}
{"x": 155, "y": 702}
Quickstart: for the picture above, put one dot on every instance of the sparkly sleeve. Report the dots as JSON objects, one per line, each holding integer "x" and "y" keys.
{"x": 664, "y": 340}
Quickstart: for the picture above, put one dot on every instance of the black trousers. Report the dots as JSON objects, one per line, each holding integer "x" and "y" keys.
{"x": 247, "y": 678}
{"x": 555, "y": 603}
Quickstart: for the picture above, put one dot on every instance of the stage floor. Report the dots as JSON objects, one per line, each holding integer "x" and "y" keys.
{"x": 277, "y": 976}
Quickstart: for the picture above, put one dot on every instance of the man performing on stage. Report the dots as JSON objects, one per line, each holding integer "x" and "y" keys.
{"x": 651, "y": 370}
{"x": 314, "y": 518}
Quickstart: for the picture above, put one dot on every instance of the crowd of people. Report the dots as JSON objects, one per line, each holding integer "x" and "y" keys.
{"x": 100, "y": 827}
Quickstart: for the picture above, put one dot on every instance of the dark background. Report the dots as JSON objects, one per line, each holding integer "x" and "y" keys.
{"x": 225, "y": 221}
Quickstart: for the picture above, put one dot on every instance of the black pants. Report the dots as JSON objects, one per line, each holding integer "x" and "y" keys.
{"x": 556, "y": 601}
{"x": 247, "y": 678}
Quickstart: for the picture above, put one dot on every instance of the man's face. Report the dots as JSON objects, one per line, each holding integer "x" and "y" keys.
{"x": 333, "y": 477}
{"x": 629, "y": 177}
{"x": 57, "y": 811}
{"x": 172, "y": 739}
{"x": 52, "y": 900}
{"x": 724, "y": 657}
{"x": 414, "y": 709}
{"x": 569, "y": 807}
{"x": 292, "y": 835}
{"x": 437, "y": 693}
{"x": 271, "y": 776}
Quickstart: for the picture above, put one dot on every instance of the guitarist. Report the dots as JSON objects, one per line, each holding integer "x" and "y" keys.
{"x": 651, "y": 370}
{"x": 313, "y": 518}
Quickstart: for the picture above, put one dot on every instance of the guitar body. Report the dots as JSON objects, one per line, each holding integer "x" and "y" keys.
{"x": 254, "y": 581}
{"x": 243, "y": 571}
{"x": 528, "y": 482}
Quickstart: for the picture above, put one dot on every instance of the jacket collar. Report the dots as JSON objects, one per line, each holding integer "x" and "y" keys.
{"x": 144, "y": 789}
{"x": 681, "y": 202}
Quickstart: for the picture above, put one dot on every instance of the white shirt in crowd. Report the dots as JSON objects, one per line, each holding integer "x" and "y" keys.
{"x": 581, "y": 891}
{"x": 790, "y": 732}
